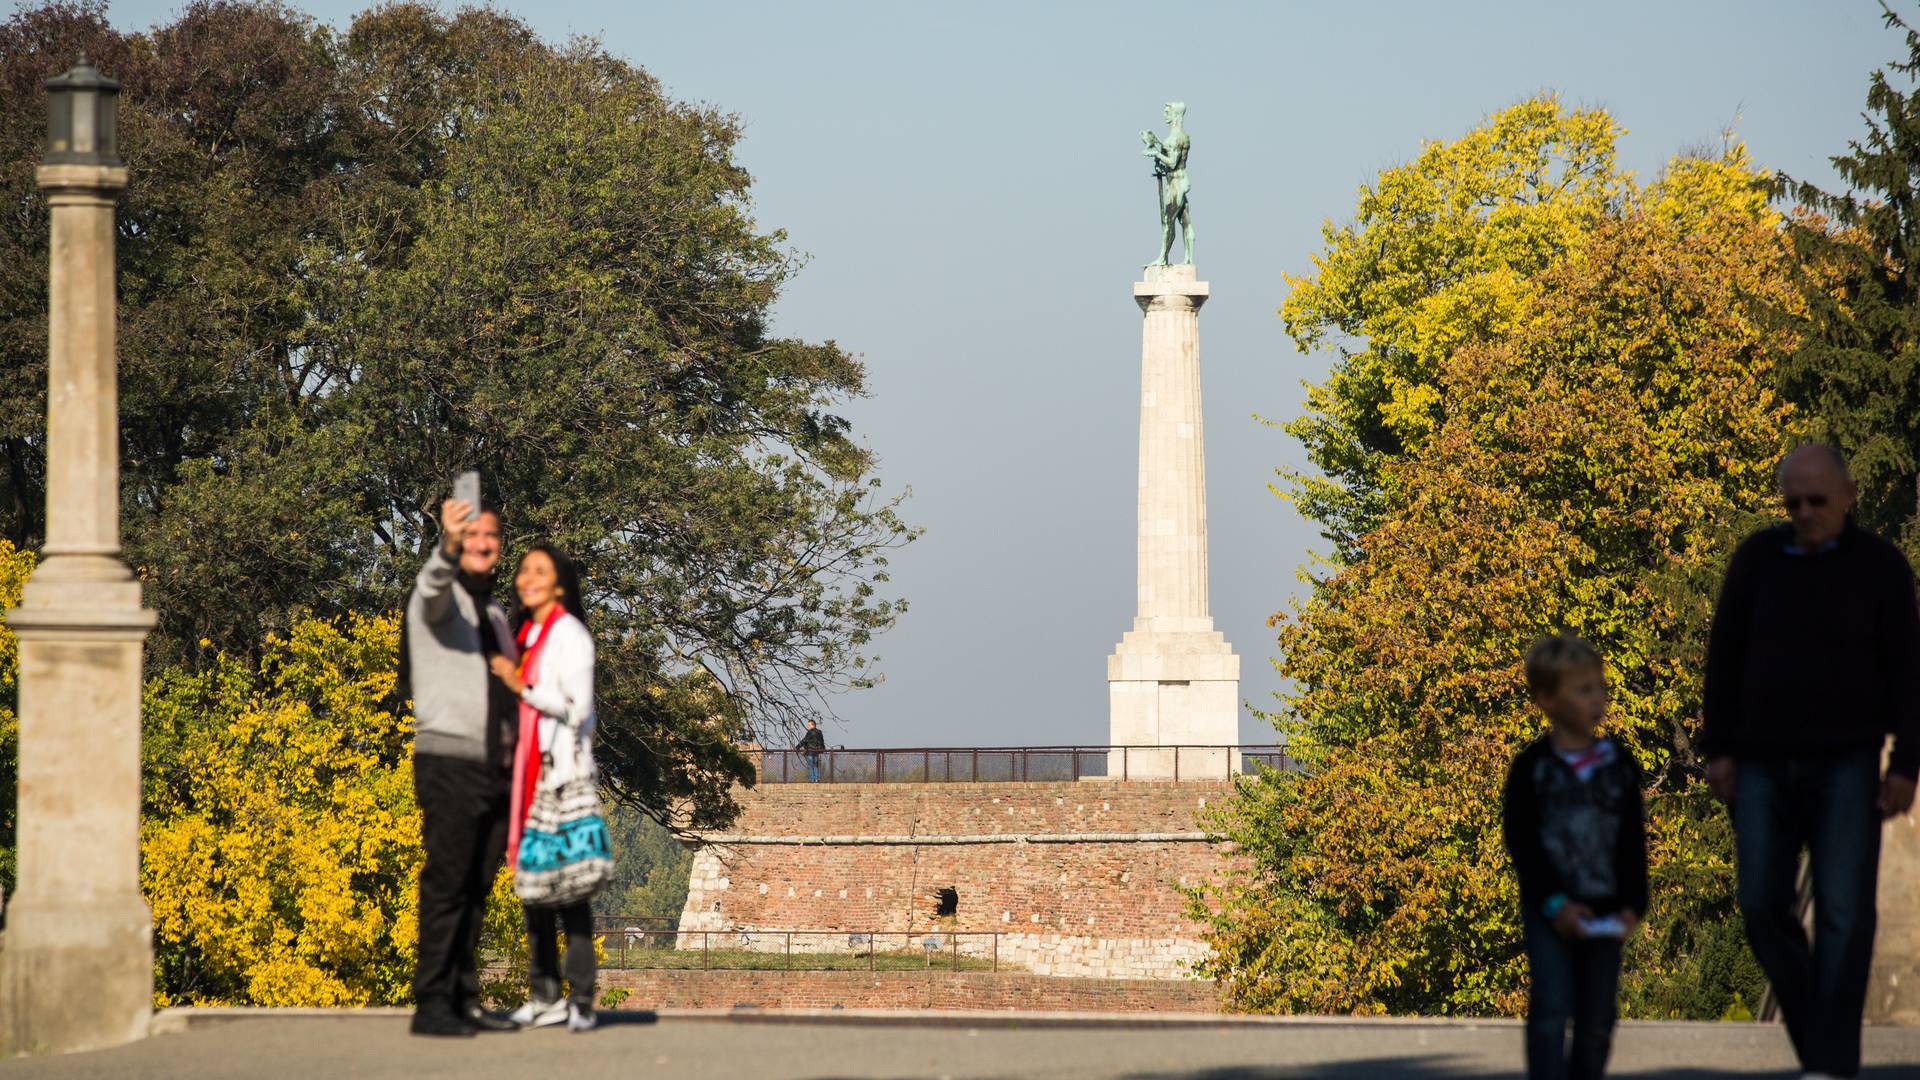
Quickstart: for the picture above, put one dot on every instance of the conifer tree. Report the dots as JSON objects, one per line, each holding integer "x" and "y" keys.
{"x": 1856, "y": 373}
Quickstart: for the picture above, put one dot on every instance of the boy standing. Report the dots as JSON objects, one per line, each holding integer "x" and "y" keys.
{"x": 1577, "y": 834}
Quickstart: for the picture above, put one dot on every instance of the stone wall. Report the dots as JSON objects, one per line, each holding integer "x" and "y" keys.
{"x": 1079, "y": 879}
{"x": 666, "y": 989}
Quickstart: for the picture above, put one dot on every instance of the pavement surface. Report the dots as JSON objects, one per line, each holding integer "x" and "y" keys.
{"x": 775, "y": 1046}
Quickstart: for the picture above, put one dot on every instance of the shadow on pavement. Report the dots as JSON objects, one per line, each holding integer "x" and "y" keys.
{"x": 1439, "y": 1068}
{"x": 623, "y": 1017}
{"x": 1426, "y": 1067}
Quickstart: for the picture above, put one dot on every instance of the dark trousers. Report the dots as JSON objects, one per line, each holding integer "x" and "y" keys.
{"x": 1572, "y": 980}
{"x": 463, "y": 825}
{"x": 543, "y": 951}
{"x": 1828, "y": 803}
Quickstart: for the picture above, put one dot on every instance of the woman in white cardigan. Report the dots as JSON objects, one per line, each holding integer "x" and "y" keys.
{"x": 558, "y": 649}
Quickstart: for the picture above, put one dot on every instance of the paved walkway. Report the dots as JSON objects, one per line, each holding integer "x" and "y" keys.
{"x": 780, "y": 1046}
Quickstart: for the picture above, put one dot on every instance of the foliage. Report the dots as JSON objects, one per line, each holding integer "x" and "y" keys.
{"x": 354, "y": 264}
{"x": 1441, "y": 249}
{"x": 1856, "y": 373}
{"x": 1582, "y": 462}
{"x": 651, "y": 868}
{"x": 280, "y": 841}
{"x": 15, "y": 565}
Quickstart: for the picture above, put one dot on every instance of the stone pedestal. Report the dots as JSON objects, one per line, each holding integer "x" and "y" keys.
{"x": 1893, "y": 993}
{"x": 1174, "y": 680}
{"x": 76, "y": 972}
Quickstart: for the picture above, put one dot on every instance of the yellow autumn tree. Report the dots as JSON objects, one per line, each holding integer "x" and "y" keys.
{"x": 15, "y": 565}
{"x": 1577, "y": 454}
{"x": 280, "y": 839}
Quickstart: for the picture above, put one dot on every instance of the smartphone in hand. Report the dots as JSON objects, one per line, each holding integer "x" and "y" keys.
{"x": 466, "y": 488}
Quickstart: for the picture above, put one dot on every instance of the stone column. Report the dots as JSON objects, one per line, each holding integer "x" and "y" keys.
{"x": 76, "y": 971}
{"x": 1174, "y": 680}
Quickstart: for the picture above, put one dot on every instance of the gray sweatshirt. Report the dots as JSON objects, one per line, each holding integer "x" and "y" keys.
{"x": 448, "y": 671}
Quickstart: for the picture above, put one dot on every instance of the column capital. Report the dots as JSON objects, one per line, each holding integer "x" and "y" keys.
{"x": 1170, "y": 286}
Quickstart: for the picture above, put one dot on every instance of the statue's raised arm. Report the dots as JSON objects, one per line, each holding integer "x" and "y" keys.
{"x": 1170, "y": 171}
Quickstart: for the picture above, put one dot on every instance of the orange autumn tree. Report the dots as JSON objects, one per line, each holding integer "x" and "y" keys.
{"x": 1583, "y": 461}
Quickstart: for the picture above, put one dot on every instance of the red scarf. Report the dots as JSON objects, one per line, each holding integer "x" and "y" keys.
{"x": 526, "y": 752}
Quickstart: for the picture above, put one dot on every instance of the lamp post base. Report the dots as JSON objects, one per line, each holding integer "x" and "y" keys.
{"x": 75, "y": 976}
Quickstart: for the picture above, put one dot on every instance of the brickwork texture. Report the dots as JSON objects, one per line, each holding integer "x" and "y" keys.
{"x": 1077, "y": 878}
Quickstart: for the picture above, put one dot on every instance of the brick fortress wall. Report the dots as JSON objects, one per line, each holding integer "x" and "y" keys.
{"x": 1076, "y": 878}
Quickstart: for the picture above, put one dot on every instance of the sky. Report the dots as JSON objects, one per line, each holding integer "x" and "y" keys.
{"x": 965, "y": 182}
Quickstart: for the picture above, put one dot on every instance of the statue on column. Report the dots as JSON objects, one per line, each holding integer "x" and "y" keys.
{"x": 1170, "y": 174}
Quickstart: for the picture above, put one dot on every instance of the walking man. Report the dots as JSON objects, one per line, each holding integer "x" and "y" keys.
{"x": 1813, "y": 660}
{"x": 466, "y": 723}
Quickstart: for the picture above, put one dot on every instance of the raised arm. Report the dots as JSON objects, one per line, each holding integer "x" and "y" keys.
{"x": 434, "y": 583}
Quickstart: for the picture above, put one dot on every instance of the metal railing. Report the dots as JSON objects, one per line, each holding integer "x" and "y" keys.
{"x": 1016, "y": 764}
{"x": 802, "y": 950}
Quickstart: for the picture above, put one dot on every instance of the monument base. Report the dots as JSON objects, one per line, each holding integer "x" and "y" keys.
{"x": 1168, "y": 688}
{"x": 75, "y": 976}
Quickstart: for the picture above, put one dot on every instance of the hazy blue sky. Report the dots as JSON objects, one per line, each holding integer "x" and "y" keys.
{"x": 966, "y": 180}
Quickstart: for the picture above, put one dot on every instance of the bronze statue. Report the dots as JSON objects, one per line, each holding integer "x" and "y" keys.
{"x": 1170, "y": 174}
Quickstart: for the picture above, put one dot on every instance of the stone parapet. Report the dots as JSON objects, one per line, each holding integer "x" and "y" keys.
{"x": 933, "y": 989}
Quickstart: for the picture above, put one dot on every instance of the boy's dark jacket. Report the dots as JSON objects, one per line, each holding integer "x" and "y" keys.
{"x": 1587, "y": 841}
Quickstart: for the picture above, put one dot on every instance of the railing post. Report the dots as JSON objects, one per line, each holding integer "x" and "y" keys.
{"x": 926, "y": 766}
{"x": 706, "y": 957}
{"x": 879, "y": 766}
{"x": 946, "y": 763}
{"x": 869, "y": 951}
{"x": 1123, "y": 761}
{"x": 996, "y": 950}
{"x": 789, "y": 966}
{"x": 976, "y": 764}
{"x": 1076, "y": 763}
{"x": 830, "y": 756}
{"x": 783, "y": 765}
{"x": 1176, "y": 764}
{"x": 955, "y": 940}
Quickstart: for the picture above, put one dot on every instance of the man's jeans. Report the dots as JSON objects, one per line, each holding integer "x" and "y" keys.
{"x": 1572, "y": 980}
{"x": 813, "y": 768}
{"x": 1830, "y": 804}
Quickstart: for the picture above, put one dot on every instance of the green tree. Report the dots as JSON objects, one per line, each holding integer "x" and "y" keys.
{"x": 651, "y": 868}
{"x": 1856, "y": 373}
{"x": 1582, "y": 462}
{"x": 356, "y": 264}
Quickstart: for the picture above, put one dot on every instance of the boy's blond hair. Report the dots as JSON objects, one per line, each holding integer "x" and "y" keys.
{"x": 1550, "y": 658}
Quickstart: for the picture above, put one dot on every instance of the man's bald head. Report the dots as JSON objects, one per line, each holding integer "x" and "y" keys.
{"x": 1818, "y": 491}
{"x": 1813, "y": 456}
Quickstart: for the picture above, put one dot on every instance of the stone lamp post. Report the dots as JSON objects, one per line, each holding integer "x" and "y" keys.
{"x": 76, "y": 969}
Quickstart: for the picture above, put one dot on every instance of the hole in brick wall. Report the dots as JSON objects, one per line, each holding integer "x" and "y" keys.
{"x": 949, "y": 902}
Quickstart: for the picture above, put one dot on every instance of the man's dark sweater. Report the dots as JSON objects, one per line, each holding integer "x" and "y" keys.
{"x": 1585, "y": 840}
{"x": 1814, "y": 652}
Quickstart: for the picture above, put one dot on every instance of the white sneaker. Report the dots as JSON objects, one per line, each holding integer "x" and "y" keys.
{"x": 536, "y": 1013}
{"x": 581, "y": 1017}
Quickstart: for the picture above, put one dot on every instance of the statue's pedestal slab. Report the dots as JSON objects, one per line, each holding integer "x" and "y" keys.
{"x": 1172, "y": 688}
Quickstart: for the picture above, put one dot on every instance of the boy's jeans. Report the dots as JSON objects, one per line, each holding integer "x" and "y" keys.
{"x": 813, "y": 768}
{"x": 1830, "y": 804}
{"x": 1572, "y": 980}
